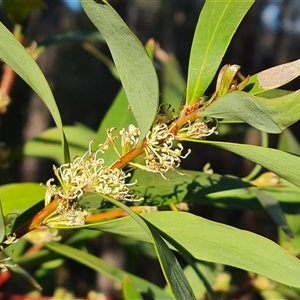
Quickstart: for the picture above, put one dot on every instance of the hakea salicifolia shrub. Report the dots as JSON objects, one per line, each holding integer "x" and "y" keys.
{"x": 89, "y": 173}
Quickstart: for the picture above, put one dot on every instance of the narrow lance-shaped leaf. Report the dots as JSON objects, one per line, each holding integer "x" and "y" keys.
{"x": 135, "y": 67}
{"x": 283, "y": 164}
{"x": 216, "y": 25}
{"x": 215, "y": 242}
{"x": 17, "y": 57}
{"x": 269, "y": 115}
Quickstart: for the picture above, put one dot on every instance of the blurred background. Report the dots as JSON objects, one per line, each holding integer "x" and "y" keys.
{"x": 84, "y": 87}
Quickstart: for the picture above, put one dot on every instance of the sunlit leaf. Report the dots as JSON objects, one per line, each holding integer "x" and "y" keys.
{"x": 156, "y": 191}
{"x": 216, "y": 25}
{"x": 17, "y": 197}
{"x": 288, "y": 196}
{"x": 284, "y": 164}
{"x": 17, "y": 57}
{"x": 135, "y": 67}
{"x": 215, "y": 242}
{"x": 269, "y": 115}
{"x": 191, "y": 186}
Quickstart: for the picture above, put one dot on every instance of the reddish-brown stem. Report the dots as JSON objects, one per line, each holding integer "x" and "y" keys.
{"x": 111, "y": 214}
{"x": 38, "y": 219}
{"x": 128, "y": 157}
{"x": 7, "y": 80}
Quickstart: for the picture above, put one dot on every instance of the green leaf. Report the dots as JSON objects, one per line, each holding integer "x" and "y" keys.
{"x": 47, "y": 144}
{"x": 269, "y": 115}
{"x": 284, "y": 164}
{"x": 191, "y": 186}
{"x": 217, "y": 24}
{"x": 276, "y": 93}
{"x": 97, "y": 264}
{"x": 125, "y": 117}
{"x": 288, "y": 196}
{"x": 274, "y": 77}
{"x": 129, "y": 291}
{"x": 274, "y": 210}
{"x": 18, "y": 58}
{"x": 200, "y": 188}
{"x": 2, "y": 224}
{"x": 17, "y": 197}
{"x": 211, "y": 241}
{"x": 135, "y": 67}
{"x": 156, "y": 191}
{"x": 173, "y": 273}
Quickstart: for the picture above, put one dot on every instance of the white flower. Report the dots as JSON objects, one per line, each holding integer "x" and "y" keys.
{"x": 198, "y": 129}
{"x": 161, "y": 156}
{"x": 130, "y": 138}
{"x": 85, "y": 174}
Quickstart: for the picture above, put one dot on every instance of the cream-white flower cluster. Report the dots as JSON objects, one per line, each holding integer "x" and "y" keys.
{"x": 85, "y": 174}
{"x": 161, "y": 153}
